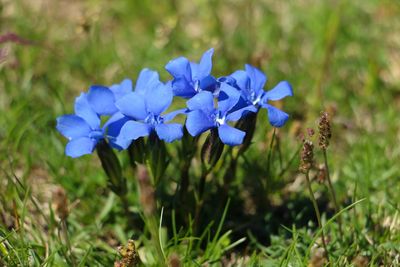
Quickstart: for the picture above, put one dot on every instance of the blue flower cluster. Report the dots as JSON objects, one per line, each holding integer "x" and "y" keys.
{"x": 138, "y": 112}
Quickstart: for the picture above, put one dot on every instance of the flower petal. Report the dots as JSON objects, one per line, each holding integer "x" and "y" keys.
{"x": 205, "y": 65}
{"x": 257, "y": 78}
{"x": 194, "y": 69}
{"x": 72, "y": 126}
{"x": 281, "y": 90}
{"x": 158, "y": 98}
{"x": 277, "y": 117}
{"x": 240, "y": 113}
{"x": 228, "y": 98}
{"x": 122, "y": 89}
{"x": 169, "y": 132}
{"x": 170, "y": 116}
{"x": 114, "y": 124}
{"x": 147, "y": 78}
{"x": 203, "y": 100}
{"x": 101, "y": 100}
{"x": 133, "y": 105}
{"x": 181, "y": 87}
{"x": 179, "y": 67}
{"x": 198, "y": 122}
{"x": 132, "y": 130}
{"x": 85, "y": 111}
{"x": 230, "y": 136}
{"x": 208, "y": 83}
{"x": 227, "y": 79}
{"x": 241, "y": 78}
{"x": 80, "y": 146}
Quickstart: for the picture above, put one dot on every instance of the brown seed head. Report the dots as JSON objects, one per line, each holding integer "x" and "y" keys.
{"x": 310, "y": 132}
{"x": 174, "y": 260}
{"x": 129, "y": 254}
{"x": 146, "y": 191}
{"x": 324, "y": 128}
{"x": 306, "y": 156}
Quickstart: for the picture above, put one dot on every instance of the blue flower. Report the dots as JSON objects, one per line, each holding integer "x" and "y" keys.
{"x": 145, "y": 79}
{"x": 140, "y": 112}
{"x": 251, "y": 83}
{"x": 121, "y": 89}
{"x": 191, "y": 78}
{"x": 82, "y": 130}
{"x": 101, "y": 100}
{"x": 204, "y": 116}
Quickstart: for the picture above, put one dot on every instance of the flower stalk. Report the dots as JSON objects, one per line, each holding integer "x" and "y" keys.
{"x": 112, "y": 168}
{"x": 323, "y": 140}
{"x": 306, "y": 162}
{"x": 187, "y": 152}
{"x": 116, "y": 182}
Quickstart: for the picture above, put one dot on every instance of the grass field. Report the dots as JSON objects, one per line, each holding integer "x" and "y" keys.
{"x": 342, "y": 57}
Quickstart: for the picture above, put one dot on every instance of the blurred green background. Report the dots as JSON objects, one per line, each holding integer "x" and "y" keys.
{"x": 339, "y": 56}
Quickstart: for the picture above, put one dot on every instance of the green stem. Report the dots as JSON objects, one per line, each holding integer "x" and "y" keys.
{"x": 230, "y": 174}
{"x": 317, "y": 213}
{"x": 332, "y": 191}
{"x": 269, "y": 158}
{"x": 270, "y": 149}
{"x": 134, "y": 222}
{"x": 291, "y": 160}
{"x": 202, "y": 184}
{"x": 184, "y": 185}
{"x": 199, "y": 203}
{"x": 125, "y": 206}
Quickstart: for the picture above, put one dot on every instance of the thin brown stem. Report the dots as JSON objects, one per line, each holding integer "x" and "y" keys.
{"x": 317, "y": 213}
{"x": 332, "y": 191}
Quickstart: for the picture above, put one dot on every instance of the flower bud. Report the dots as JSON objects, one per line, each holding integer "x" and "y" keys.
{"x": 189, "y": 145}
{"x": 212, "y": 150}
{"x": 112, "y": 167}
{"x": 310, "y": 132}
{"x": 157, "y": 157}
{"x": 248, "y": 125}
{"x": 136, "y": 151}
